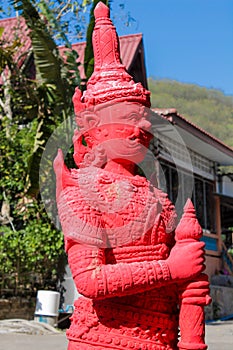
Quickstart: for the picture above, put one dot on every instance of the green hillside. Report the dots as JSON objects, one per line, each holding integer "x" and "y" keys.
{"x": 210, "y": 109}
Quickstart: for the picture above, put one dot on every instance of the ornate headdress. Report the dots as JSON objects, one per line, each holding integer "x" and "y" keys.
{"x": 110, "y": 80}
{"x": 109, "y": 83}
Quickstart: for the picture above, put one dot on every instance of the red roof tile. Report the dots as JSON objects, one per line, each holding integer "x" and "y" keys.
{"x": 128, "y": 49}
{"x": 16, "y": 28}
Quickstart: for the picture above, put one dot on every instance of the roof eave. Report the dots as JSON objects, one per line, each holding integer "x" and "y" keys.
{"x": 223, "y": 153}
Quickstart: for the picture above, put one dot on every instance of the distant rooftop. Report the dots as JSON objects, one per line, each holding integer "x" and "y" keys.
{"x": 197, "y": 138}
{"x": 129, "y": 45}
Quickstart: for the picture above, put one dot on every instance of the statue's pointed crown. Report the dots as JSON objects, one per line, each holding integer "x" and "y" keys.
{"x": 110, "y": 80}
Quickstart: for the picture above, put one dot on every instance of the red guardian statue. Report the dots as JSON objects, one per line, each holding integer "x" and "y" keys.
{"x": 140, "y": 279}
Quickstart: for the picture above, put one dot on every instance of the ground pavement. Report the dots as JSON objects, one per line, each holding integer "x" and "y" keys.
{"x": 219, "y": 336}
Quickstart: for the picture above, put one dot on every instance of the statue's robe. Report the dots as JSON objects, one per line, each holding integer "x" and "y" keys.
{"x": 115, "y": 226}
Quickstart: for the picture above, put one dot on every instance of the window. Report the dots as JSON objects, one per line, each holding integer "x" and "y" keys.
{"x": 182, "y": 185}
{"x": 199, "y": 198}
{"x": 210, "y": 208}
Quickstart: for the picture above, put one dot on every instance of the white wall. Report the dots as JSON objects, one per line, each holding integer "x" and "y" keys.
{"x": 227, "y": 186}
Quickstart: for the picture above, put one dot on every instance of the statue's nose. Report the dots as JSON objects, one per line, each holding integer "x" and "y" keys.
{"x": 144, "y": 125}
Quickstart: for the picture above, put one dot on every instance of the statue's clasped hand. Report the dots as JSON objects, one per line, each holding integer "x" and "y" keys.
{"x": 186, "y": 261}
{"x": 196, "y": 292}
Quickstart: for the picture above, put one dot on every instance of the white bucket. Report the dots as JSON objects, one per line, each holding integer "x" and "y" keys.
{"x": 50, "y": 320}
{"x": 47, "y": 306}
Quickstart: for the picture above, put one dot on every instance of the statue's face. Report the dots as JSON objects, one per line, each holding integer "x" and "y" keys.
{"x": 123, "y": 131}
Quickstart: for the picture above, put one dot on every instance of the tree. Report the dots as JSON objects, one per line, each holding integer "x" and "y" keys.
{"x": 30, "y": 109}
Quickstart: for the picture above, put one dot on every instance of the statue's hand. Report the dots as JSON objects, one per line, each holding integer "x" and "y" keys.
{"x": 196, "y": 292}
{"x": 186, "y": 261}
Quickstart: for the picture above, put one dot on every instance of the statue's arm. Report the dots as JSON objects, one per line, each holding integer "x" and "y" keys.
{"x": 95, "y": 279}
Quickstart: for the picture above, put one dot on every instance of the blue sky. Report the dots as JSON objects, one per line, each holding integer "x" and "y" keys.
{"x": 186, "y": 40}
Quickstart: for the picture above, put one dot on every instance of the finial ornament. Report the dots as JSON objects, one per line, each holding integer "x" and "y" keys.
{"x": 188, "y": 227}
{"x": 101, "y": 11}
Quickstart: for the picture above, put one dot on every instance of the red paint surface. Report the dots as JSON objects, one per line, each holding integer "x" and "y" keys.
{"x": 131, "y": 267}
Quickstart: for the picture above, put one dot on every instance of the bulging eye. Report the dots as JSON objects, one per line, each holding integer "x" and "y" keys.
{"x": 134, "y": 117}
{"x": 90, "y": 120}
